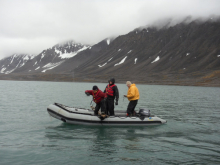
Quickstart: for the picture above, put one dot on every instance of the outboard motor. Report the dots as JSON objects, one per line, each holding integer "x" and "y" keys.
{"x": 144, "y": 112}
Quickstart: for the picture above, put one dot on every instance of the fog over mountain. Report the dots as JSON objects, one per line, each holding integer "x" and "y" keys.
{"x": 28, "y": 27}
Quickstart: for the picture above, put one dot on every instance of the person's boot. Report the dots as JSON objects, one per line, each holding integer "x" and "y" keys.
{"x": 134, "y": 113}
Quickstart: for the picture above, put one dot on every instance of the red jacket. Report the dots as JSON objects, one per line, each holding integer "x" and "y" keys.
{"x": 98, "y": 96}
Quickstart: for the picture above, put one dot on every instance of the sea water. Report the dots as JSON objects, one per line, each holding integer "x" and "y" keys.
{"x": 28, "y": 135}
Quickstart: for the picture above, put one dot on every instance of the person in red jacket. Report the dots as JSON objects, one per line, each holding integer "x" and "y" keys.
{"x": 98, "y": 98}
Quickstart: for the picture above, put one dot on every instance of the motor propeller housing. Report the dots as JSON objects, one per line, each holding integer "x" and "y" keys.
{"x": 144, "y": 112}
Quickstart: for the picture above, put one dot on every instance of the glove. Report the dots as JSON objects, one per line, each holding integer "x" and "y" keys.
{"x": 116, "y": 103}
{"x": 87, "y": 94}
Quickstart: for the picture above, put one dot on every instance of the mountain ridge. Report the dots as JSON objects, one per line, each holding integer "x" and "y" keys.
{"x": 185, "y": 54}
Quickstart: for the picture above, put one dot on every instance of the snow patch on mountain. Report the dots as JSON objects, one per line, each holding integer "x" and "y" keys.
{"x": 42, "y": 56}
{"x": 37, "y": 68}
{"x": 157, "y": 59}
{"x": 13, "y": 58}
{"x": 66, "y": 55}
{"x": 72, "y": 54}
{"x": 108, "y": 41}
{"x": 110, "y": 59}
{"x": 121, "y": 62}
{"x": 135, "y": 60}
{"x": 2, "y": 70}
{"x": 51, "y": 65}
{"x": 25, "y": 57}
{"x": 130, "y": 51}
{"x": 57, "y": 51}
{"x": 22, "y": 64}
{"x": 105, "y": 63}
{"x": 32, "y": 56}
{"x": 102, "y": 65}
{"x": 7, "y": 72}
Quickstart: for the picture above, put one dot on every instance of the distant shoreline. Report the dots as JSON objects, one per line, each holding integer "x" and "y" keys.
{"x": 54, "y": 78}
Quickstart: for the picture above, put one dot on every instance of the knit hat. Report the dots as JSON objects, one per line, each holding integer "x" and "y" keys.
{"x": 94, "y": 87}
{"x": 128, "y": 83}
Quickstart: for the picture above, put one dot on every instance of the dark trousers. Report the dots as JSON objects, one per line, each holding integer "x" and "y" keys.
{"x": 131, "y": 106}
{"x": 101, "y": 105}
{"x": 110, "y": 107}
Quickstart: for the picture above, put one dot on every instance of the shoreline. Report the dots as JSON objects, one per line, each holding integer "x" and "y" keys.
{"x": 199, "y": 84}
{"x": 205, "y": 79}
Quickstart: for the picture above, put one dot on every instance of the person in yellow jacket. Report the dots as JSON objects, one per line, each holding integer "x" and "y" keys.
{"x": 133, "y": 96}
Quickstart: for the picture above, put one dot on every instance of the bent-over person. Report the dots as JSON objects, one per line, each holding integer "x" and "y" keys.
{"x": 98, "y": 98}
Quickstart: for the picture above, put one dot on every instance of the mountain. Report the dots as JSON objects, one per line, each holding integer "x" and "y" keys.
{"x": 50, "y": 58}
{"x": 14, "y": 62}
{"x": 52, "y": 63}
{"x": 184, "y": 54}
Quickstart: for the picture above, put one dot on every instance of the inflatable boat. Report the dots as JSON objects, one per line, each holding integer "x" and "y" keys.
{"x": 86, "y": 117}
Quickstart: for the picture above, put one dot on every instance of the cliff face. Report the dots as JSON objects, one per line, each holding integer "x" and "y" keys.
{"x": 185, "y": 54}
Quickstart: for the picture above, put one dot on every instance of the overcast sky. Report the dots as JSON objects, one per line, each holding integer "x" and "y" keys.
{"x": 30, "y": 26}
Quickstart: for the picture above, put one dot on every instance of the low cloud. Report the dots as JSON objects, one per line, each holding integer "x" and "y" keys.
{"x": 31, "y": 26}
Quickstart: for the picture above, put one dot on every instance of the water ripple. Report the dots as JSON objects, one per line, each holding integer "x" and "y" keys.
{"x": 30, "y": 136}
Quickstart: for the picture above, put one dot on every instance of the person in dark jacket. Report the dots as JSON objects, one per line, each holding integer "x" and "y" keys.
{"x": 99, "y": 98}
{"x": 112, "y": 93}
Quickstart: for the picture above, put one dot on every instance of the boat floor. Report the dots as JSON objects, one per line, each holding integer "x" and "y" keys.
{"x": 122, "y": 115}
{"x": 118, "y": 113}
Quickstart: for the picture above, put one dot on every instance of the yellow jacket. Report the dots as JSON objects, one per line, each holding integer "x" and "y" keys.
{"x": 133, "y": 93}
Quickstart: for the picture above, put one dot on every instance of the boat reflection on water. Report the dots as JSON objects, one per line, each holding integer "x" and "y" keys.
{"x": 99, "y": 140}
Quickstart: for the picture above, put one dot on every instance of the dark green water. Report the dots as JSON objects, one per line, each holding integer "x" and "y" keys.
{"x": 29, "y": 136}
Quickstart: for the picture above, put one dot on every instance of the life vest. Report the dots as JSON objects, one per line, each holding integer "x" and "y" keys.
{"x": 96, "y": 97}
{"x": 109, "y": 90}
